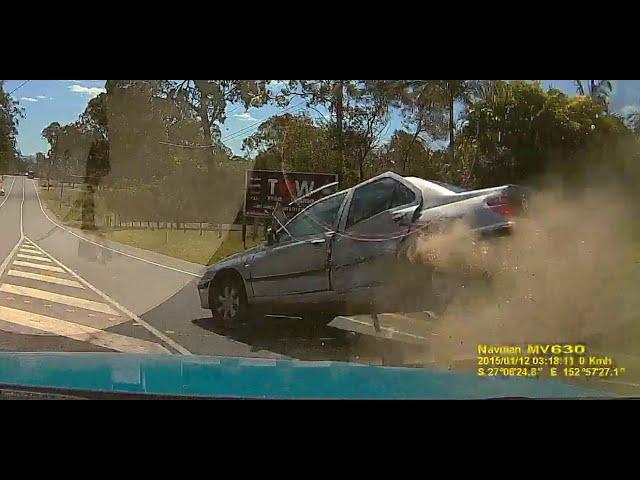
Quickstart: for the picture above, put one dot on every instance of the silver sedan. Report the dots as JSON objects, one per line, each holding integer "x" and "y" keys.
{"x": 343, "y": 254}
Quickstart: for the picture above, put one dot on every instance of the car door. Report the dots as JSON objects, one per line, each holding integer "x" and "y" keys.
{"x": 298, "y": 261}
{"x": 372, "y": 226}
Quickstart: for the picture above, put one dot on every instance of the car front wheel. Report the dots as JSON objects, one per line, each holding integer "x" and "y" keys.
{"x": 228, "y": 300}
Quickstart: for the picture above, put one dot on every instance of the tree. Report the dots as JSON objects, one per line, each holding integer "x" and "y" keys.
{"x": 444, "y": 93}
{"x": 357, "y": 115}
{"x": 598, "y": 90}
{"x": 335, "y": 96}
{"x": 423, "y": 114}
{"x": 10, "y": 113}
{"x": 293, "y": 143}
{"x": 521, "y": 131}
{"x": 209, "y": 98}
{"x": 40, "y": 163}
{"x": 368, "y": 118}
{"x": 406, "y": 155}
{"x": 51, "y": 133}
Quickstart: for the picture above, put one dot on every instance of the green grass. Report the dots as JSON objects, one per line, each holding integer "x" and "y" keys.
{"x": 204, "y": 249}
{"x": 233, "y": 244}
{"x": 189, "y": 245}
{"x": 69, "y": 211}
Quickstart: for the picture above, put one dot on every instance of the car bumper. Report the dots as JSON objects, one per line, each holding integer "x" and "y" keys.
{"x": 203, "y": 293}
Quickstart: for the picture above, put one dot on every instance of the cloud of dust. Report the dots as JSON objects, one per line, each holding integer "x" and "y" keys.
{"x": 569, "y": 273}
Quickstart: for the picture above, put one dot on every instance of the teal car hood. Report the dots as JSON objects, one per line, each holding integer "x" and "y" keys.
{"x": 228, "y": 377}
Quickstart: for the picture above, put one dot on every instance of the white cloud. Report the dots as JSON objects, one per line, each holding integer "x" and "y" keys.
{"x": 29, "y": 99}
{"x": 245, "y": 117}
{"x": 88, "y": 91}
{"x": 277, "y": 86}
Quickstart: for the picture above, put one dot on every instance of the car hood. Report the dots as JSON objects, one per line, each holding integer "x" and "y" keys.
{"x": 231, "y": 377}
{"x": 231, "y": 260}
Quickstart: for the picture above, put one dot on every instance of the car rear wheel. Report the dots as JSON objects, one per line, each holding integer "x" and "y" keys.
{"x": 228, "y": 300}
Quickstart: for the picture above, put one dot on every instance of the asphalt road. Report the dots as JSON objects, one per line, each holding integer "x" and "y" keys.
{"x": 62, "y": 289}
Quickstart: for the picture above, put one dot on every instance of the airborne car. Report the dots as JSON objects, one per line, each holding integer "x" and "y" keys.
{"x": 344, "y": 253}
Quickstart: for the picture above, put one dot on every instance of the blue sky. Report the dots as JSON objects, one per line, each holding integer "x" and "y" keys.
{"x": 46, "y": 101}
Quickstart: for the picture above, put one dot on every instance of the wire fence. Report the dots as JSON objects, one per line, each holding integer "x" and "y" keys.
{"x": 64, "y": 196}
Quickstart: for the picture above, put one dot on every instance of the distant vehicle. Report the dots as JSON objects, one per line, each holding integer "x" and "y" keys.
{"x": 346, "y": 253}
{"x": 30, "y": 174}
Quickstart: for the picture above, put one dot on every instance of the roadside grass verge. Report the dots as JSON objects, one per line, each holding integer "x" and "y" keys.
{"x": 188, "y": 245}
{"x": 233, "y": 244}
{"x": 205, "y": 249}
{"x": 69, "y": 210}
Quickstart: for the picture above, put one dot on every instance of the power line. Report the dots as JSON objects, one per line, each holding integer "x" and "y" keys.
{"x": 19, "y": 87}
{"x": 238, "y": 133}
{"x": 232, "y": 135}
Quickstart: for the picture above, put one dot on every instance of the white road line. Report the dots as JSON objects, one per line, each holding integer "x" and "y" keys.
{"x": 9, "y": 257}
{"x": 33, "y": 257}
{"x": 58, "y": 298}
{"x": 79, "y": 332}
{"x": 109, "y": 248}
{"x": 8, "y": 193}
{"x": 388, "y": 329}
{"x": 44, "y": 278}
{"x": 21, "y": 206}
{"x": 49, "y": 268}
{"x": 6, "y": 261}
{"x": 122, "y": 308}
{"x": 28, "y": 249}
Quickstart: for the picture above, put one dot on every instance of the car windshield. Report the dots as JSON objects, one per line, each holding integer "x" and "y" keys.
{"x": 146, "y": 217}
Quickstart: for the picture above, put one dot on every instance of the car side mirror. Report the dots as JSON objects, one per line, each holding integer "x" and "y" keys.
{"x": 271, "y": 236}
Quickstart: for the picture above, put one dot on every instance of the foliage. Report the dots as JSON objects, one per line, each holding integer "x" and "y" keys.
{"x": 146, "y": 137}
{"x": 520, "y": 131}
{"x": 10, "y": 113}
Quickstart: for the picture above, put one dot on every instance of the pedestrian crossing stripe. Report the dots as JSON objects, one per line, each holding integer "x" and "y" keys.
{"x": 49, "y": 268}
{"x": 44, "y": 278}
{"x": 58, "y": 298}
{"x": 83, "y": 333}
{"x": 31, "y": 251}
{"x": 33, "y": 257}
{"x": 30, "y": 255}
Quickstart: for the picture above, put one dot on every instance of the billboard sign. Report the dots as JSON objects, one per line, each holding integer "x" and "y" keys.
{"x": 265, "y": 189}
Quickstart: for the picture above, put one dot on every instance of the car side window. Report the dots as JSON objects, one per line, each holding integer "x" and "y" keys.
{"x": 318, "y": 218}
{"x": 402, "y": 196}
{"x": 371, "y": 199}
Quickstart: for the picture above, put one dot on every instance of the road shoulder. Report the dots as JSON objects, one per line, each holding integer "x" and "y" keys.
{"x": 189, "y": 268}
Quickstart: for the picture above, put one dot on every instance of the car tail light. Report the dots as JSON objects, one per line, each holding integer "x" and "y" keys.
{"x": 502, "y": 205}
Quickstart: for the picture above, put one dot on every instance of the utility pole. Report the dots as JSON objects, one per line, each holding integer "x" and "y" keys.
{"x": 339, "y": 107}
{"x": 451, "y": 123}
